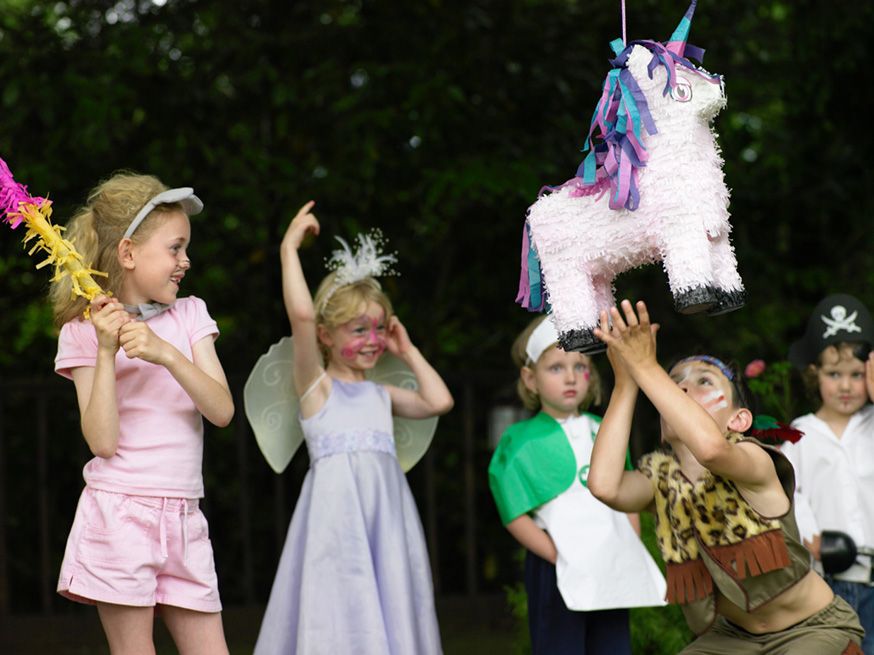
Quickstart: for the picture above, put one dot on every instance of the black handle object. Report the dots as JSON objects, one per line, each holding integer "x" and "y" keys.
{"x": 837, "y": 551}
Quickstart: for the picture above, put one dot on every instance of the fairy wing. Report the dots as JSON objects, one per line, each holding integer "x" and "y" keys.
{"x": 272, "y": 406}
{"x": 412, "y": 436}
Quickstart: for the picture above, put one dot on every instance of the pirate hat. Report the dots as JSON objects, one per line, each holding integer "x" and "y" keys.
{"x": 837, "y": 318}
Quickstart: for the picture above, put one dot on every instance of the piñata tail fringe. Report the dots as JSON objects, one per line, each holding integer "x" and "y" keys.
{"x": 59, "y": 252}
{"x": 17, "y": 206}
{"x": 530, "y": 295}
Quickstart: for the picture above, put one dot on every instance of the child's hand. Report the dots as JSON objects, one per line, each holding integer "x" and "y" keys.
{"x": 139, "y": 341}
{"x": 397, "y": 341}
{"x": 302, "y": 224}
{"x": 108, "y": 316}
{"x": 621, "y": 374}
{"x": 815, "y": 547}
{"x": 632, "y": 336}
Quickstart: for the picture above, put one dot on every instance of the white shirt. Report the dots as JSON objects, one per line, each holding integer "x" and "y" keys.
{"x": 602, "y": 563}
{"x": 834, "y": 480}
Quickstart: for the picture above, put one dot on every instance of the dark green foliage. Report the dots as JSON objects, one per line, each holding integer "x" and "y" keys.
{"x": 517, "y": 600}
{"x": 439, "y": 121}
{"x": 657, "y": 630}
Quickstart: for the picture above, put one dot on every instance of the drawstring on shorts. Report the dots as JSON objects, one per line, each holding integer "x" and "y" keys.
{"x": 184, "y": 531}
{"x": 162, "y": 529}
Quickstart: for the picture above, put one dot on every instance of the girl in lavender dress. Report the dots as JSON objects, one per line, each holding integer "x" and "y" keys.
{"x": 354, "y": 574}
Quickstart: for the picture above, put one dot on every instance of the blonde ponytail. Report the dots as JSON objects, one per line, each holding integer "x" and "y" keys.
{"x": 96, "y": 230}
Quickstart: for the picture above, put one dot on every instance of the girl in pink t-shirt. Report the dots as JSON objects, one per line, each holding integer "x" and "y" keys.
{"x": 146, "y": 371}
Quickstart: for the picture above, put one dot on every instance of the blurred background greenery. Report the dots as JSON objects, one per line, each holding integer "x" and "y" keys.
{"x": 438, "y": 121}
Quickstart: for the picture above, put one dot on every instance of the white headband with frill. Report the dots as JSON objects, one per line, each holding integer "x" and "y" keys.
{"x": 367, "y": 260}
{"x": 544, "y": 336}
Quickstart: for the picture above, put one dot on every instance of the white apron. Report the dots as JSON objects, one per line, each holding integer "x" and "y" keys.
{"x": 602, "y": 563}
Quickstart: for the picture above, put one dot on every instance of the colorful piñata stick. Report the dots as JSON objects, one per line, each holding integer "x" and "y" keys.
{"x": 18, "y": 206}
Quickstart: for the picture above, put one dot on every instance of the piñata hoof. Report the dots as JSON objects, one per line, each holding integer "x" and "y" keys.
{"x": 695, "y": 301}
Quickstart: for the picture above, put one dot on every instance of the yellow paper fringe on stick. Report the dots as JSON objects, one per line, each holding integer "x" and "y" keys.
{"x": 60, "y": 252}
{"x": 17, "y": 206}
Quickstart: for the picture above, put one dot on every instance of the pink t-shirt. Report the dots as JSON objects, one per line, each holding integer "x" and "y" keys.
{"x": 160, "y": 444}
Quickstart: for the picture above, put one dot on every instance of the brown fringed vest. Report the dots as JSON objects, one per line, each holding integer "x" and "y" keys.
{"x": 709, "y": 534}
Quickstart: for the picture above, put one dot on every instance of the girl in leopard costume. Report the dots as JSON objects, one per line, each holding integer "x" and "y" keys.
{"x": 723, "y": 504}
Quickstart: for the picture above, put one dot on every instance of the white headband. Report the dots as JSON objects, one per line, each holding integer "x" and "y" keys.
{"x": 183, "y": 195}
{"x": 543, "y": 337}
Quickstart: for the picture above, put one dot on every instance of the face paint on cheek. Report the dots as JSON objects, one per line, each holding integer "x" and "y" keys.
{"x": 680, "y": 376}
{"x": 587, "y": 375}
{"x": 351, "y": 349}
{"x": 715, "y": 400}
{"x": 376, "y": 338}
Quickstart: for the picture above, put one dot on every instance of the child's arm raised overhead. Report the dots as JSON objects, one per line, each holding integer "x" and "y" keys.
{"x": 633, "y": 340}
{"x": 609, "y": 482}
{"x": 301, "y": 313}
{"x": 432, "y": 397}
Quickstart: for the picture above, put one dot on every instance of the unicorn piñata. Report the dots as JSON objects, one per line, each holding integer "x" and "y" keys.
{"x": 650, "y": 189}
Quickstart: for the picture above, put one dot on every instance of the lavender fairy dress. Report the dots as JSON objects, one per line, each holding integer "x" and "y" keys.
{"x": 354, "y": 575}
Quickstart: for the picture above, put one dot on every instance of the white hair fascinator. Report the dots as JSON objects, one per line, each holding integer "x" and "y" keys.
{"x": 367, "y": 260}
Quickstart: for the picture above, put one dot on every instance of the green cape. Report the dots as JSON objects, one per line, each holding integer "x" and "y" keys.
{"x": 533, "y": 463}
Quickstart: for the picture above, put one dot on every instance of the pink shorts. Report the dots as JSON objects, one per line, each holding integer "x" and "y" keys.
{"x": 140, "y": 551}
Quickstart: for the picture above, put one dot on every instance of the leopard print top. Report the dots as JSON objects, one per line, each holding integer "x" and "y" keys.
{"x": 709, "y": 535}
{"x": 710, "y": 509}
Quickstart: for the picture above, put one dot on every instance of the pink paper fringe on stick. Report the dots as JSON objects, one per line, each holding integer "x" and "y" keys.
{"x": 17, "y": 206}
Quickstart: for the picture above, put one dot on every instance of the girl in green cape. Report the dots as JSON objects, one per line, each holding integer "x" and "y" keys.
{"x": 585, "y": 565}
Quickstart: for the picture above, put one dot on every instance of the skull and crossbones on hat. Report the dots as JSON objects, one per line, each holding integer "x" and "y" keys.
{"x": 837, "y": 318}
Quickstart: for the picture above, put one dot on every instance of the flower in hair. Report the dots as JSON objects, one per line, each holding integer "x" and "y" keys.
{"x": 769, "y": 430}
{"x": 367, "y": 260}
{"x": 771, "y": 385}
{"x": 755, "y": 368}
